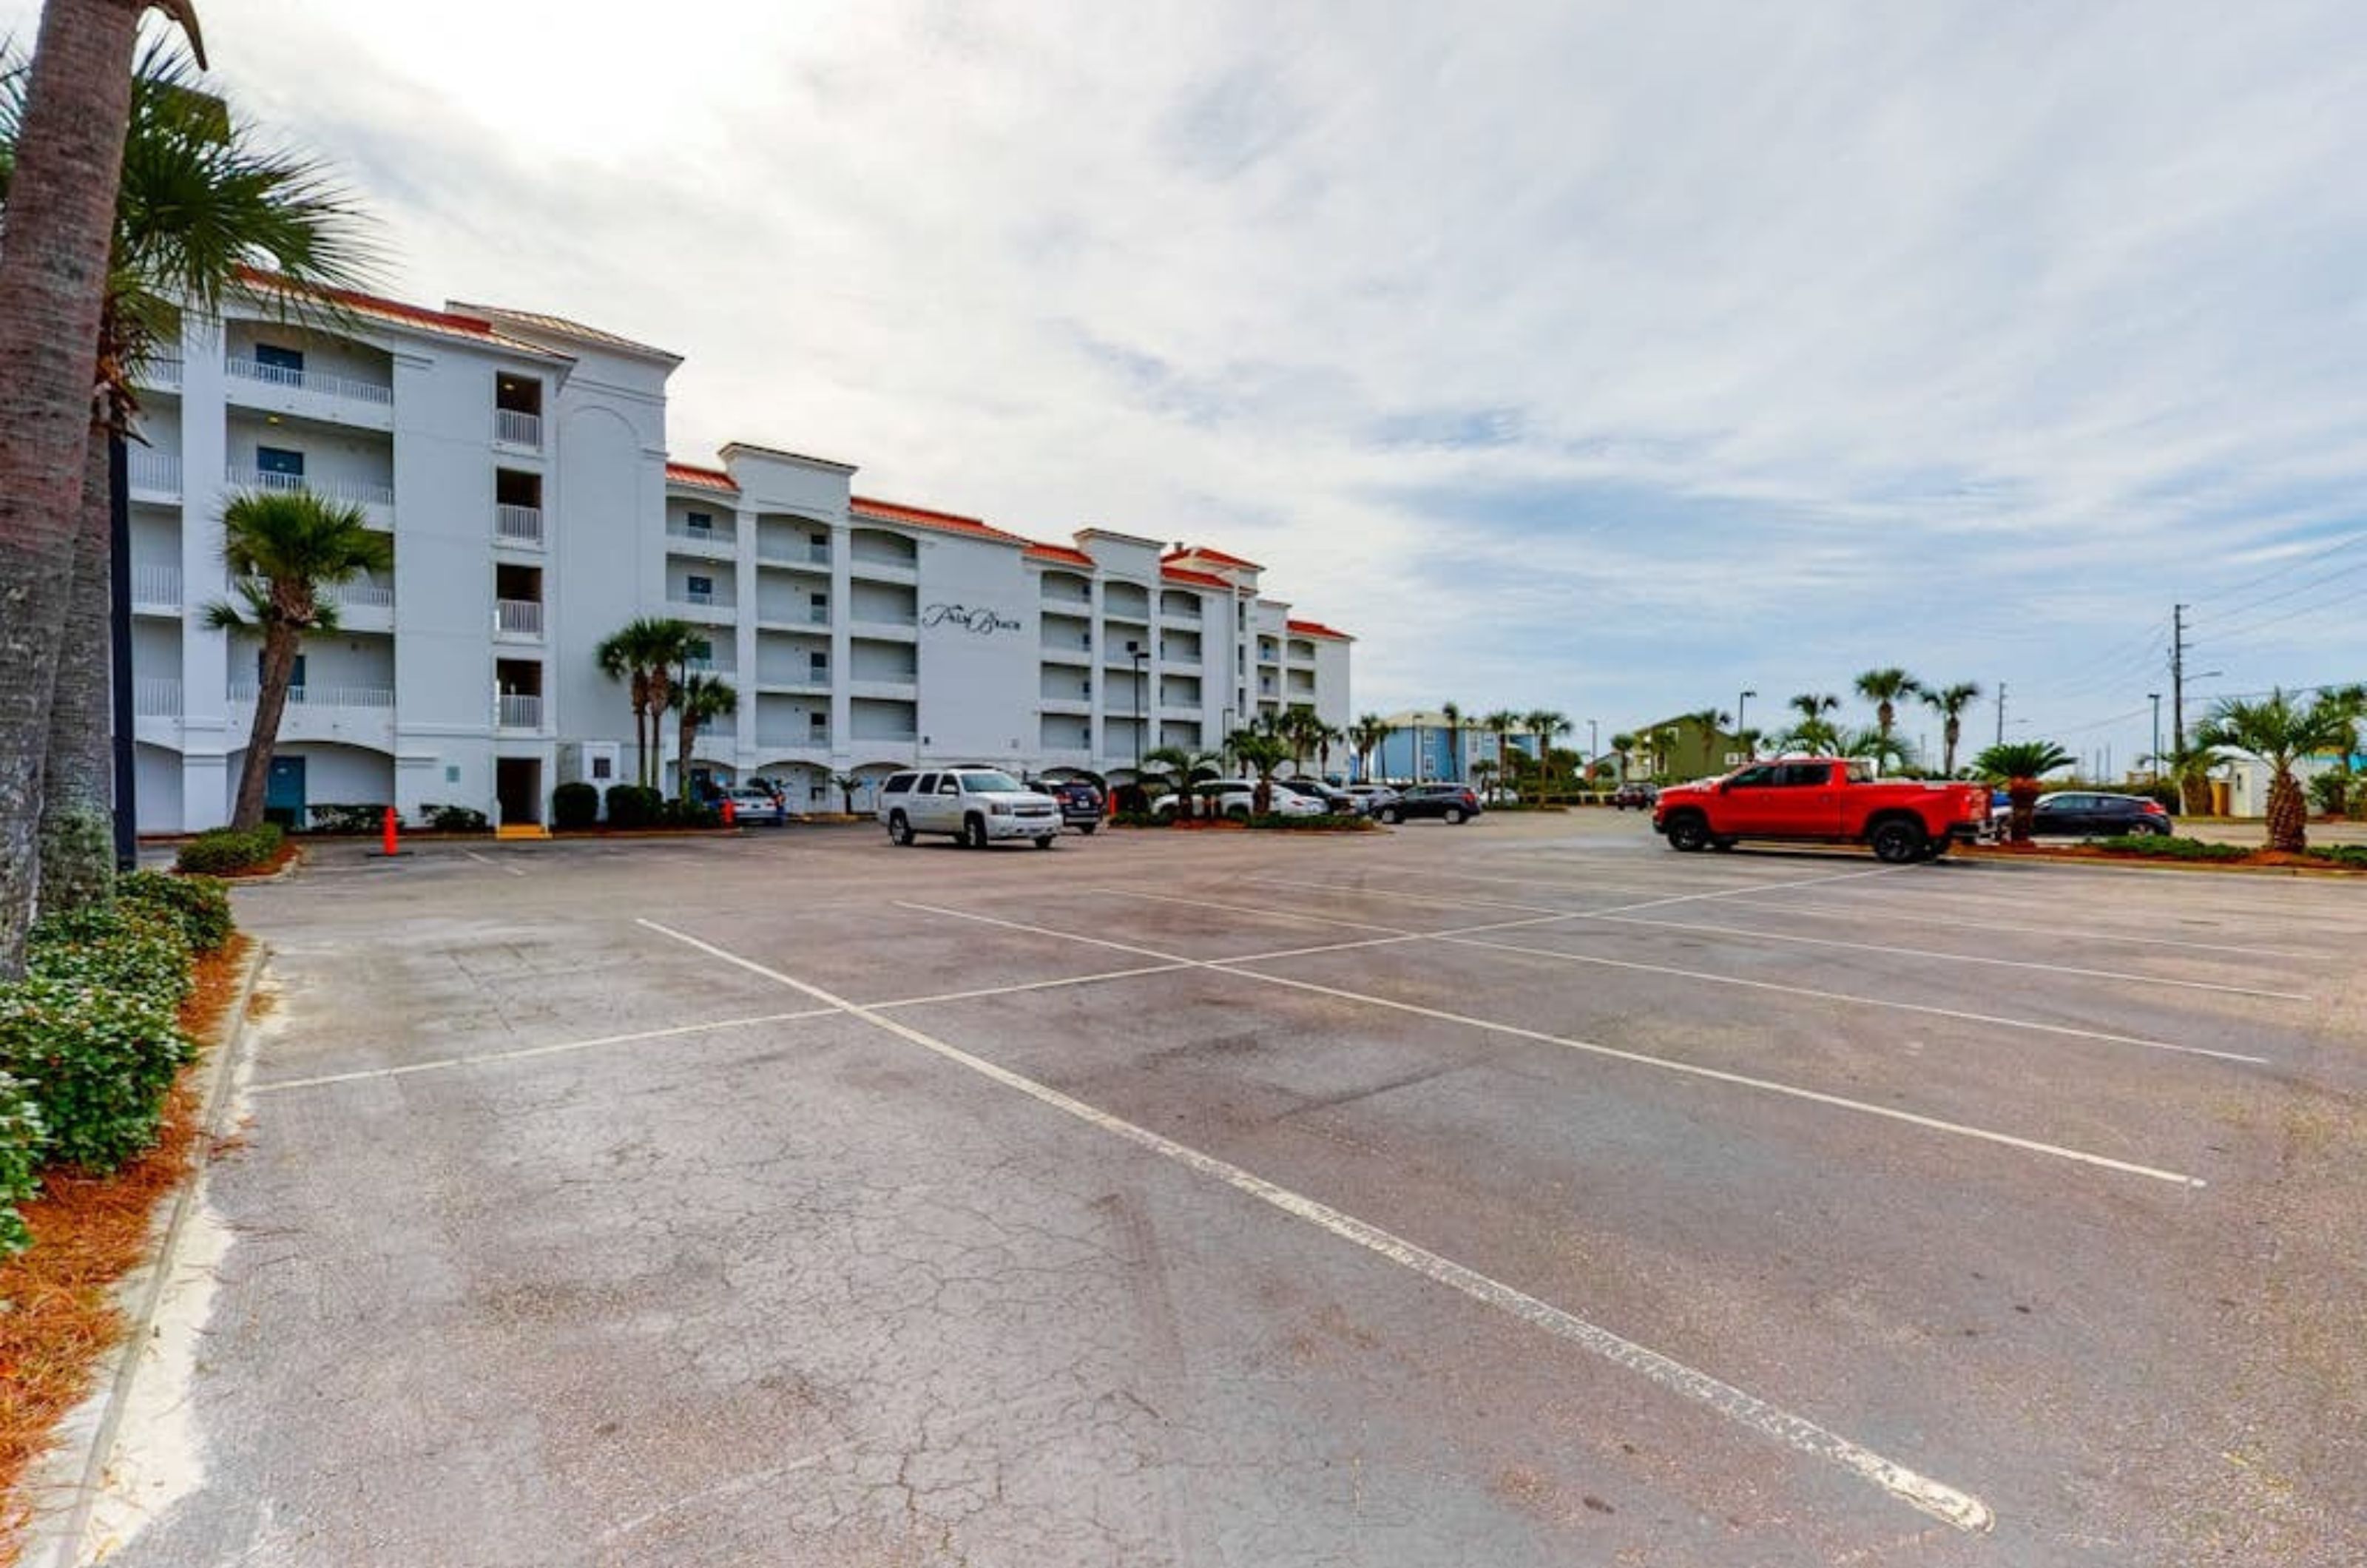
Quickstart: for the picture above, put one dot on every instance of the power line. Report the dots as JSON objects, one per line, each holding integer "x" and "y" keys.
{"x": 2275, "y": 573}
{"x": 2335, "y": 602}
{"x": 2310, "y": 586}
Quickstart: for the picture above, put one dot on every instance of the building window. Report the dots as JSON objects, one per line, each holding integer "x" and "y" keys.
{"x": 279, "y": 460}
{"x": 700, "y": 522}
{"x": 702, "y": 651}
{"x": 819, "y": 664}
{"x": 275, "y": 358}
{"x": 817, "y": 722}
{"x": 600, "y": 768}
{"x": 699, "y": 590}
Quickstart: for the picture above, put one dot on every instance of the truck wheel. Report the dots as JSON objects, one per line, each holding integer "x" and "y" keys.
{"x": 899, "y": 832}
{"x": 1087, "y": 828}
{"x": 1688, "y": 832}
{"x": 1044, "y": 840}
{"x": 1898, "y": 842}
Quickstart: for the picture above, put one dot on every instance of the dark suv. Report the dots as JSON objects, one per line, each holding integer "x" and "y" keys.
{"x": 1455, "y": 802}
{"x": 1639, "y": 796}
{"x": 1080, "y": 803}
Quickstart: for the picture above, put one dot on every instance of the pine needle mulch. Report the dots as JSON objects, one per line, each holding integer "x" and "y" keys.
{"x": 58, "y": 1312}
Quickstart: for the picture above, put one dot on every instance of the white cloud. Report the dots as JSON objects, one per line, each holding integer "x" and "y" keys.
{"x": 1964, "y": 336}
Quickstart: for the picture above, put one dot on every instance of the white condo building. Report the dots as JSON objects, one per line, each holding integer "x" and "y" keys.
{"x": 519, "y": 463}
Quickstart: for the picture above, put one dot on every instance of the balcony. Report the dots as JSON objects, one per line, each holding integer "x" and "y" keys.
{"x": 310, "y": 394}
{"x": 517, "y": 617}
{"x": 156, "y": 591}
{"x": 154, "y": 476}
{"x": 810, "y": 555}
{"x": 376, "y": 501}
{"x": 512, "y": 427}
{"x": 355, "y": 716}
{"x": 710, "y": 667}
{"x": 518, "y": 710}
{"x": 161, "y": 373}
{"x": 155, "y": 696}
{"x": 704, "y": 541}
{"x": 784, "y": 741}
{"x": 518, "y": 526}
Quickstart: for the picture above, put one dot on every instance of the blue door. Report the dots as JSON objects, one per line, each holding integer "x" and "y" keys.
{"x": 283, "y": 792}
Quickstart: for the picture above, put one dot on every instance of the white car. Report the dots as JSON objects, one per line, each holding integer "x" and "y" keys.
{"x": 1371, "y": 796}
{"x": 977, "y": 806}
{"x": 751, "y": 804}
{"x": 1237, "y": 798}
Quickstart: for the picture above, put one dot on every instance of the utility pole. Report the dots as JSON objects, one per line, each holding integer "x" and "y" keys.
{"x": 2155, "y": 697}
{"x": 2001, "y": 739}
{"x": 2178, "y": 678}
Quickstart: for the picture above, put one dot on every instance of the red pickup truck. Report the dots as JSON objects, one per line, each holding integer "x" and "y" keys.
{"x": 1829, "y": 800}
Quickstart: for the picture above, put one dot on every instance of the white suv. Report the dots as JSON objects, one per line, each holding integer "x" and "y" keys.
{"x": 977, "y": 806}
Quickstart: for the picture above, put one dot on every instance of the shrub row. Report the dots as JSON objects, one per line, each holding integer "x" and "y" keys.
{"x": 638, "y": 806}
{"x": 219, "y": 850}
{"x": 2159, "y": 848}
{"x": 23, "y": 1136}
{"x": 364, "y": 818}
{"x": 199, "y": 904}
{"x": 1337, "y": 822}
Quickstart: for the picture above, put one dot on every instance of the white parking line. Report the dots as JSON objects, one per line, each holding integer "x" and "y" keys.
{"x": 488, "y": 859}
{"x": 1889, "y": 914}
{"x": 1983, "y": 958}
{"x": 1467, "y": 936}
{"x": 1664, "y": 1064}
{"x": 1947, "y": 1504}
{"x": 559, "y": 1048}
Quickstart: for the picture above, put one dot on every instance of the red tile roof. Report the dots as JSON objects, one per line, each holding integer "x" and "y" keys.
{"x": 1316, "y": 628}
{"x": 445, "y": 321}
{"x": 1198, "y": 579}
{"x": 919, "y": 517}
{"x": 705, "y": 479}
{"x": 1216, "y": 556}
{"x": 1060, "y": 553}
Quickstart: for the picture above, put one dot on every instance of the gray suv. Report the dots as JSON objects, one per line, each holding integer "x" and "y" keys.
{"x": 976, "y": 806}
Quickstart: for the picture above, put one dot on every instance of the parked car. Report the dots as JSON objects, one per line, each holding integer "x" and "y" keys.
{"x": 1453, "y": 802}
{"x": 2078, "y": 814}
{"x": 1237, "y": 798}
{"x": 1081, "y": 804}
{"x": 1371, "y": 796}
{"x": 751, "y": 805}
{"x": 1637, "y": 796}
{"x": 977, "y": 806}
{"x": 1337, "y": 802}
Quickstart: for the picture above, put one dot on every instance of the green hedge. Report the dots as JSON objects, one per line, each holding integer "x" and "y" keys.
{"x": 23, "y": 1138}
{"x": 2156, "y": 847}
{"x": 2344, "y": 854}
{"x": 221, "y": 850}
{"x": 574, "y": 806}
{"x": 132, "y": 947}
{"x": 364, "y": 817}
{"x": 199, "y": 904}
{"x": 455, "y": 818}
{"x": 1337, "y": 822}
{"x": 633, "y": 805}
{"x": 98, "y": 1062}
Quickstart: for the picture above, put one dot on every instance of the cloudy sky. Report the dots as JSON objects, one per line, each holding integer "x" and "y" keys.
{"x": 1607, "y": 357}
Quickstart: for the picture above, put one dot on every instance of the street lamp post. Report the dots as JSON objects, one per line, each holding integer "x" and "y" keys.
{"x": 1593, "y": 749}
{"x": 2155, "y": 697}
{"x": 1742, "y": 714}
{"x": 1138, "y": 653}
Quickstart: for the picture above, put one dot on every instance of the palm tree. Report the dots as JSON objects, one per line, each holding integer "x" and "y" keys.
{"x": 1818, "y": 737}
{"x": 2189, "y": 768}
{"x": 702, "y": 700}
{"x": 1262, "y": 749}
{"x": 63, "y": 172}
{"x": 2018, "y": 765}
{"x": 197, "y": 200}
{"x": 1547, "y": 726}
{"x": 1885, "y": 689}
{"x": 1300, "y": 728}
{"x": 1368, "y": 735}
{"x": 1501, "y": 724}
{"x": 282, "y": 548}
{"x": 641, "y": 654}
{"x": 1453, "y": 717}
{"x": 2279, "y": 733}
{"x": 846, "y": 784}
{"x": 1750, "y": 740}
{"x": 1621, "y": 745}
{"x": 1811, "y": 706}
{"x": 1949, "y": 702}
{"x": 1876, "y": 745}
{"x": 2349, "y": 704}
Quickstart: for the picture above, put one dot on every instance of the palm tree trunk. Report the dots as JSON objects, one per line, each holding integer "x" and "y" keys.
{"x": 53, "y": 283}
{"x": 689, "y": 741}
{"x": 270, "y": 702}
{"x": 2288, "y": 814}
{"x": 2022, "y": 796}
{"x": 77, "y": 774}
{"x": 1951, "y": 733}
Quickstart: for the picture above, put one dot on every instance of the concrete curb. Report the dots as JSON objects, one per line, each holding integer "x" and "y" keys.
{"x": 55, "y": 1538}
{"x": 2154, "y": 862}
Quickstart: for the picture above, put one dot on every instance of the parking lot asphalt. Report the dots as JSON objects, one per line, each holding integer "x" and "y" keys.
{"x": 1515, "y": 1194}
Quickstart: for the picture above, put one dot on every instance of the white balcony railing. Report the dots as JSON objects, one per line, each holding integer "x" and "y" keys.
{"x": 812, "y": 740}
{"x": 518, "y": 524}
{"x": 698, "y": 535}
{"x": 161, "y": 372}
{"x": 364, "y": 492}
{"x": 158, "y": 471}
{"x": 321, "y": 381}
{"x": 702, "y": 598}
{"x": 795, "y": 552}
{"x": 246, "y": 692}
{"x": 518, "y": 710}
{"x": 709, "y": 667}
{"x": 156, "y": 585}
{"x": 515, "y": 429}
{"x": 522, "y": 618}
{"x": 154, "y": 696}
{"x": 371, "y": 595}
